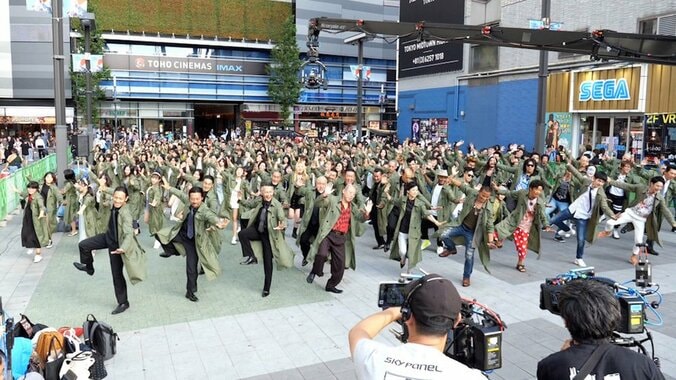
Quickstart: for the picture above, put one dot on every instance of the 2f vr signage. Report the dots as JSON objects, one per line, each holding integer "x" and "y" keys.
{"x": 604, "y": 89}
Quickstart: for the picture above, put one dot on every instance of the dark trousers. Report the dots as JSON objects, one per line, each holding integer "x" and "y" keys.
{"x": 99, "y": 241}
{"x": 426, "y": 225}
{"x": 191, "y": 260}
{"x": 306, "y": 239}
{"x": 392, "y": 220}
{"x": 380, "y": 240}
{"x": 333, "y": 244}
{"x": 249, "y": 234}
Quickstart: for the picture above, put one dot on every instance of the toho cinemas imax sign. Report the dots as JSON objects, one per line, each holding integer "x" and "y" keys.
{"x": 183, "y": 65}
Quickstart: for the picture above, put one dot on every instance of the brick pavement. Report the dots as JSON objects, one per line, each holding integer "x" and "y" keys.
{"x": 299, "y": 332}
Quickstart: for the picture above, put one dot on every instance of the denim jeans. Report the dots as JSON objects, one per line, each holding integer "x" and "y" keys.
{"x": 555, "y": 206}
{"x": 580, "y": 229}
{"x": 447, "y": 239}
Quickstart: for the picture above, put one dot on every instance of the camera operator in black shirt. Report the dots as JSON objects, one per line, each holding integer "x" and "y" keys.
{"x": 591, "y": 313}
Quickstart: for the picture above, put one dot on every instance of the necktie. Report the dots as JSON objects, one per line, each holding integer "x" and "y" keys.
{"x": 191, "y": 224}
{"x": 590, "y": 198}
{"x": 263, "y": 219}
{"x": 114, "y": 222}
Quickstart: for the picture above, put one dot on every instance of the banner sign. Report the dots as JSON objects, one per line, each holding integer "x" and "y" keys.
{"x": 71, "y": 8}
{"x": 559, "y": 130}
{"x": 80, "y": 63}
{"x": 432, "y": 56}
{"x": 183, "y": 65}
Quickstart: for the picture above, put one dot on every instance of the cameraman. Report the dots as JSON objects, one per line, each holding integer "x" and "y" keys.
{"x": 434, "y": 306}
{"x": 591, "y": 314}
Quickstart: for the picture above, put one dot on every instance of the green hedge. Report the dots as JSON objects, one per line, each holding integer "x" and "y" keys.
{"x": 248, "y": 19}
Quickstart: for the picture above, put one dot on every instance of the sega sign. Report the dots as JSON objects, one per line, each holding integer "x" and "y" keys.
{"x": 604, "y": 89}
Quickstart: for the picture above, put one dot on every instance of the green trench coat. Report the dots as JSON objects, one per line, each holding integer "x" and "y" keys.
{"x": 507, "y": 227}
{"x": 414, "y": 250}
{"x": 206, "y": 240}
{"x": 90, "y": 215}
{"x": 40, "y": 224}
{"x": 134, "y": 256}
{"x": 54, "y": 198}
{"x": 281, "y": 251}
{"x": 70, "y": 202}
{"x": 329, "y": 213}
{"x": 484, "y": 225}
{"x": 155, "y": 209}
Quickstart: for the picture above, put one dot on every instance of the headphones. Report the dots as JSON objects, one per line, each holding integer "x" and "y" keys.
{"x": 406, "y": 306}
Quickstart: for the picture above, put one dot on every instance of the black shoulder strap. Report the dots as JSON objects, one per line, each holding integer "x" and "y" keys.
{"x": 593, "y": 360}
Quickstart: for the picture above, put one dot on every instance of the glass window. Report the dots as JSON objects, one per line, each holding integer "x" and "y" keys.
{"x": 117, "y": 48}
{"x": 145, "y": 50}
{"x": 484, "y": 58}
{"x": 648, "y": 26}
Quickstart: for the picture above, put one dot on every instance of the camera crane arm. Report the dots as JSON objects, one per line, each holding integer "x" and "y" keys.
{"x": 598, "y": 44}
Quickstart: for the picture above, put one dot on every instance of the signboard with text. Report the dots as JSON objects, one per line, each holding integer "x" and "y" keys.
{"x": 432, "y": 56}
{"x": 71, "y": 8}
{"x": 183, "y": 65}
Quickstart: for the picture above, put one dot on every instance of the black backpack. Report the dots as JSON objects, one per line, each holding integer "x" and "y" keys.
{"x": 100, "y": 337}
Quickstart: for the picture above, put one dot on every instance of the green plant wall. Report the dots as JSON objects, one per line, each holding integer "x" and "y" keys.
{"x": 238, "y": 19}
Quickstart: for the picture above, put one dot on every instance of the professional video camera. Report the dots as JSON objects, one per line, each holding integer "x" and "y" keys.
{"x": 476, "y": 341}
{"x": 634, "y": 304}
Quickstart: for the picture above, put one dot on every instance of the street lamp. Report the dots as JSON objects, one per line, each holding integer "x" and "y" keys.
{"x": 89, "y": 24}
{"x": 115, "y": 101}
{"x": 359, "y": 40}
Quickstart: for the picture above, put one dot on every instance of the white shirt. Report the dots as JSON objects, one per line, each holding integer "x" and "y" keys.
{"x": 616, "y": 191}
{"x": 581, "y": 208}
{"x": 374, "y": 360}
{"x": 436, "y": 194}
{"x": 665, "y": 189}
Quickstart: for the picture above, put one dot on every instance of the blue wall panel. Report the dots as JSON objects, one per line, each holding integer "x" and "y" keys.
{"x": 500, "y": 113}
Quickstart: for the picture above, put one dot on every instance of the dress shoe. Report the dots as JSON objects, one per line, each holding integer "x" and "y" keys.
{"x": 304, "y": 262}
{"x": 447, "y": 253}
{"x": 84, "y": 268}
{"x": 191, "y": 296}
{"x": 265, "y": 293}
{"x": 310, "y": 278}
{"x": 465, "y": 282}
{"x": 386, "y": 248}
{"x": 120, "y": 308}
{"x": 334, "y": 290}
{"x": 653, "y": 252}
{"x": 249, "y": 260}
{"x": 379, "y": 246}
{"x": 165, "y": 254}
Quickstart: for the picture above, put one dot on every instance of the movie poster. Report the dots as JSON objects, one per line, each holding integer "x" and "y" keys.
{"x": 415, "y": 129}
{"x": 559, "y": 130}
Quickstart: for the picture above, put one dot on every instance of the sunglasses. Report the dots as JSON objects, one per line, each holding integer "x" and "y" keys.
{"x": 531, "y": 165}
{"x": 470, "y": 175}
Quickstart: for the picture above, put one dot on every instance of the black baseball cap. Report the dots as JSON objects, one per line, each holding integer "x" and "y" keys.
{"x": 436, "y": 303}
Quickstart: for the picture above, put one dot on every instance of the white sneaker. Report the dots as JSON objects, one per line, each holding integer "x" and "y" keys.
{"x": 616, "y": 233}
{"x": 580, "y": 263}
{"x": 234, "y": 240}
{"x": 563, "y": 233}
{"x": 30, "y": 251}
{"x": 440, "y": 250}
{"x": 37, "y": 258}
{"x": 157, "y": 245}
{"x": 425, "y": 243}
{"x": 572, "y": 232}
{"x": 49, "y": 245}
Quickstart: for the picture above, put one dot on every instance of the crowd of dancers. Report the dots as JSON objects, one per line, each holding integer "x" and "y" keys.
{"x": 195, "y": 195}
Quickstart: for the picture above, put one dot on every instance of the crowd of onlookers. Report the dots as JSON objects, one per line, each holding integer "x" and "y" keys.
{"x": 17, "y": 152}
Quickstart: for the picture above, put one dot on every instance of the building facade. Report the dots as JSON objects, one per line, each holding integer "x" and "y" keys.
{"x": 493, "y": 99}
{"x": 183, "y": 84}
{"x": 26, "y": 71}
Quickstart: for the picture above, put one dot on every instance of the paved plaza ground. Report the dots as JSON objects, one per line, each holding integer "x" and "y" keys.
{"x": 299, "y": 331}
